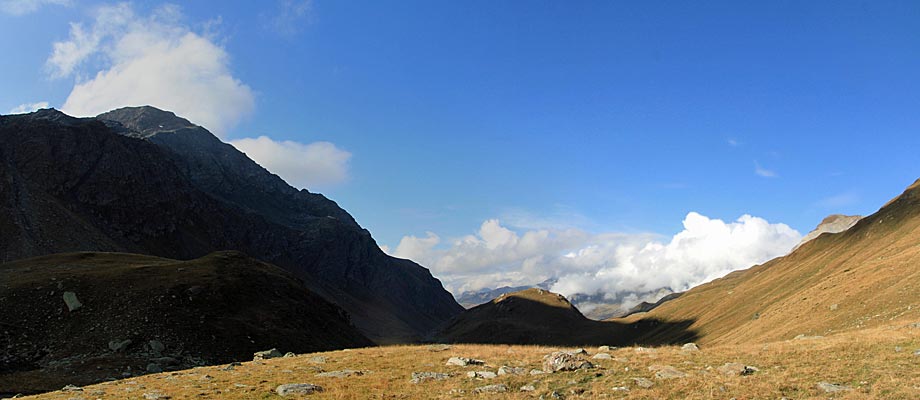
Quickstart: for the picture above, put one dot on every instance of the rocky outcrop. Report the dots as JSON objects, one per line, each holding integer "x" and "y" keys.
{"x": 142, "y": 180}
{"x": 831, "y": 224}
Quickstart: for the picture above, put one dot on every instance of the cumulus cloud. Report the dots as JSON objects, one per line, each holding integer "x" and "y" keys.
{"x": 611, "y": 265}
{"x": 29, "y": 107}
{"x": 149, "y": 60}
{"x": 304, "y": 166}
{"x": 23, "y": 7}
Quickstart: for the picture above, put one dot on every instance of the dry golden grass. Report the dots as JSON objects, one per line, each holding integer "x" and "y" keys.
{"x": 875, "y": 363}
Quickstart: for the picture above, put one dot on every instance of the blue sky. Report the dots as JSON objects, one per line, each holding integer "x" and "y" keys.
{"x": 603, "y": 117}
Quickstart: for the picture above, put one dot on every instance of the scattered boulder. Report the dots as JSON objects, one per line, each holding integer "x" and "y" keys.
{"x": 506, "y": 370}
{"x": 463, "y": 361}
{"x": 154, "y": 368}
{"x": 828, "y": 387}
{"x": 297, "y": 389}
{"x": 528, "y": 388}
{"x": 690, "y": 347}
{"x": 438, "y": 347}
{"x": 620, "y": 389}
{"x": 602, "y": 356}
{"x": 737, "y": 369}
{"x": 481, "y": 375}
{"x": 666, "y": 372}
{"x": 345, "y": 373}
{"x": 564, "y": 361}
{"x": 156, "y": 396}
{"x": 317, "y": 360}
{"x": 266, "y": 354}
{"x": 537, "y": 372}
{"x": 499, "y": 388}
{"x": 419, "y": 377}
{"x": 70, "y": 299}
{"x": 582, "y": 352}
{"x": 604, "y": 348}
{"x": 156, "y": 346}
{"x": 289, "y": 355}
{"x": 806, "y": 337}
{"x": 71, "y": 388}
{"x": 643, "y": 382}
{"x": 119, "y": 346}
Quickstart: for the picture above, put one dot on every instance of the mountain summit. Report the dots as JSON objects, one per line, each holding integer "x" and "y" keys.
{"x": 142, "y": 180}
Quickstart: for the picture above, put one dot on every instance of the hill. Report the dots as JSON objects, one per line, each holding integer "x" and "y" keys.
{"x": 214, "y": 309}
{"x": 142, "y": 180}
{"x": 537, "y": 316}
{"x": 860, "y": 278}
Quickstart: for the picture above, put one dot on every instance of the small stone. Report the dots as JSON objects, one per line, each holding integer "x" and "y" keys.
{"x": 602, "y": 356}
{"x": 154, "y": 368}
{"x": 419, "y": 377}
{"x": 345, "y": 373}
{"x": 553, "y": 395}
{"x": 564, "y": 361}
{"x": 828, "y": 387}
{"x": 537, "y": 372}
{"x": 266, "y": 354}
{"x": 499, "y": 388}
{"x": 70, "y": 299}
{"x": 289, "y": 355}
{"x": 297, "y": 388}
{"x": 505, "y": 370}
{"x": 156, "y": 346}
{"x": 317, "y": 360}
{"x": 833, "y": 307}
{"x": 737, "y": 369}
{"x": 689, "y": 347}
{"x": 481, "y": 374}
{"x": 119, "y": 346}
{"x": 462, "y": 361}
{"x": 643, "y": 382}
{"x": 71, "y": 388}
{"x": 666, "y": 372}
{"x": 620, "y": 389}
{"x": 603, "y": 348}
{"x": 582, "y": 352}
{"x": 528, "y": 388}
{"x": 917, "y": 352}
{"x": 155, "y": 396}
{"x": 438, "y": 347}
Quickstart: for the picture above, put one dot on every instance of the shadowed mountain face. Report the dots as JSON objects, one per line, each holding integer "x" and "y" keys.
{"x": 215, "y": 309}
{"x": 862, "y": 277}
{"x": 142, "y": 180}
{"x": 536, "y": 316}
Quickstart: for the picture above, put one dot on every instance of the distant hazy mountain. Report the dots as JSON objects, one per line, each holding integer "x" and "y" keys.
{"x": 142, "y": 180}
{"x": 470, "y": 299}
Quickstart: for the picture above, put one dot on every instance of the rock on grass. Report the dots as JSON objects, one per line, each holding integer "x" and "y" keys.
{"x": 297, "y": 389}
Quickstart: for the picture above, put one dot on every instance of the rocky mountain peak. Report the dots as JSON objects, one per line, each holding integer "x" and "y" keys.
{"x": 147, "y": 120}
{"x": 834, "y": 223}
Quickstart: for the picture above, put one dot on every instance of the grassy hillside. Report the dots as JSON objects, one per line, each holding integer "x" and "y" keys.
{"x": 218, "y": 308}
{"x": 873, "y": 363}
{"x": 864, "y": 277}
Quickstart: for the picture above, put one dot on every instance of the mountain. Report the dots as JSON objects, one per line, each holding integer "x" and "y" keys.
{"x": 835, "y": 223}
{"x": 214, "y": 309}
{"x": 472, "y": 298}
{"x": 142, "y": 180}
{"x": 863, "y": 277}
{"x": 537, "y": 316}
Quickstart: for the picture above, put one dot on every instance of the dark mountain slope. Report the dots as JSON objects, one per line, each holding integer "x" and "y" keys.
{"x": 81, "y": 184}
{"x": 537, "y": 316}
{"x": 215, "y": 309}
{"x": 863, "y": 277}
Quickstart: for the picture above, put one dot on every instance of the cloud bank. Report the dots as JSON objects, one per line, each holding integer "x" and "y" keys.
{"x": 303, "y": 166}
{"x": 23, "y": 7}
{"x": 154, "y": 60}
{"x": 29, "y": 107}
{"x": 613, "y": 265}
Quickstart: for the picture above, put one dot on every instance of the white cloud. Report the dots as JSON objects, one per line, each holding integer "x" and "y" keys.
{"x": 23, "y": 7}
{"x": 763, "y": 172}
{"x": 305, "y": 166}
{"x": 29, "y": 107}
{"x": 154, "y": 60}
{"x": 611, "y": 264}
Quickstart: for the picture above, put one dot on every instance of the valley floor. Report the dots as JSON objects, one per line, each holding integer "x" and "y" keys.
{"x": 879, "y": 363}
